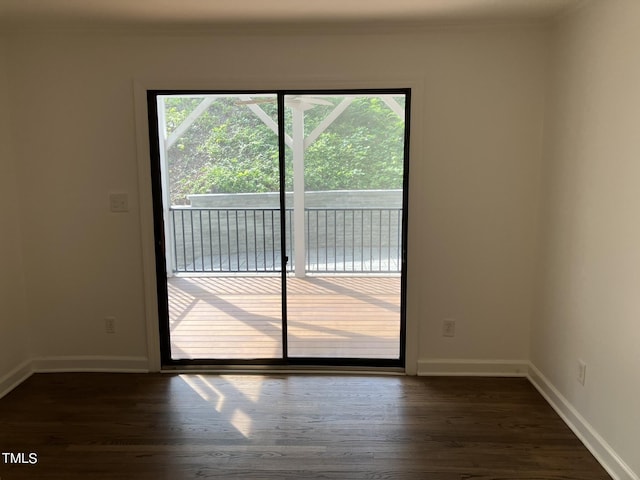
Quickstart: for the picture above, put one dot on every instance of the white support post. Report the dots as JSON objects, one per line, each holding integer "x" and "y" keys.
{"x": 298, "y": 190}
{"x": 166, "y": 194}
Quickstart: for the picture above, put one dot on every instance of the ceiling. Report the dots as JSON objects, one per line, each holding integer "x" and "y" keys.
{"x": 203, "y": 12}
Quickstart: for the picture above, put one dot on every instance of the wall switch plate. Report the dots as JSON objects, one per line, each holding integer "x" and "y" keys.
{"x": 110, "y": 325}
{"x": 119, "y": 202}
{"x": 582, "y": 372}
{"x": 449, "y": 328}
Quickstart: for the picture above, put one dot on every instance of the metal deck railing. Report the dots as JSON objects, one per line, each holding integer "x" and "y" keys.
{"x": 337, "y": 240}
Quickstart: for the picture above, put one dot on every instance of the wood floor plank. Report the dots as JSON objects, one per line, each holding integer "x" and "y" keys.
{"x": 194, "y": 426}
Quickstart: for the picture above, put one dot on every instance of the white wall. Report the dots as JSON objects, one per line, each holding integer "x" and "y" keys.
{"x": 475, "y": 195}
{"x": 14, "y": 332}
{"x": 474, "y": 172}
{"x": 589, "y": 305}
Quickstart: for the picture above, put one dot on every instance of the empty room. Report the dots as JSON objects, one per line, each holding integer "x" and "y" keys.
{"x": 347, "y": 240}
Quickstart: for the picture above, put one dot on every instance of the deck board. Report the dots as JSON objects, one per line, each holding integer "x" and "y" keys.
{"x": 240, "y": 317}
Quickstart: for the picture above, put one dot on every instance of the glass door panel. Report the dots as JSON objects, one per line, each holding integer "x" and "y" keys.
{"x": 345, "y": 179}
{"x": 220, "y": 160}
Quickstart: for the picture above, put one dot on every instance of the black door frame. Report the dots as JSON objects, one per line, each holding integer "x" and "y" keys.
{"x": 159, "y": 236}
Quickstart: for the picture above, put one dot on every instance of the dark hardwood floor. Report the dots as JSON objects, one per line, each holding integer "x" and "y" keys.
{"x": 196, "y": 426}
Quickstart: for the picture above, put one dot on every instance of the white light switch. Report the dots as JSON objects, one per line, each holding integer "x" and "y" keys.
{"x": 119, "y": 202}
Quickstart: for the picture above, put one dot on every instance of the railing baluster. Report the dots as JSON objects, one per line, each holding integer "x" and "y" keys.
{"x": 353, "y": 240}
{"x": 318, "y": 246}
{"x": 219, "y": 241}
{"x": 210, "y": 241}
{"x": 362, "y": 239}
{"x": 264, "y": 242}
{"x": 201, "y": 242}
{"x": 335, "y": 240}
{"x": 193, "y": 243}
{"x": 399, "y": 227}
{"x": 317, "y": 239}
{"x": 344, "y": 239}
{"x": 273, "y": 245}
{"x": 228, "y": 242}
{"x": 184, "y": 242}
{"x": 380, "y": 241}
{"x": 255, "y": 243}
{"x": 326, "y": 240}
{"x": 237, "y": 243}
{"x": 389, "y": 240}
{"x": 246, "y": 242}
{"x": 307, "y": 240}
{"x": 370, "y": 239}
{"x": 292, "y": 259}
{"x": 175, "y": 247}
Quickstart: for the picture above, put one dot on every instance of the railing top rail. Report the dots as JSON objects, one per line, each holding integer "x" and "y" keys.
{"x": 331, "y": 209}
{"x": 178, "y": 208}
{"x": 276, "y": 209}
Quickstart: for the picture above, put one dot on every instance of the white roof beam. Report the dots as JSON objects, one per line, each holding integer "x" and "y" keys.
{"x": 393, "y": 105}
{"x": 187, "y": 122}
{"x": 329, "y": 119}
{"x": 266, "y": 119}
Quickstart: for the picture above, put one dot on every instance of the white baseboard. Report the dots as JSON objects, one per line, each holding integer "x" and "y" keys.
{"x": 91, "y": 363}
{"x": 465, "y": 367}
{"x": 15, "y": 377}
{"x": 600, "y": 449}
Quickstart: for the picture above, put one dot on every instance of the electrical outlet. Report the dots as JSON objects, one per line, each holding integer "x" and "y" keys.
{"x": 118, "y": 202}
{"x": 582, "y": 372}
{"x": 110, "y": 325}
{"x": 449, "y": 328}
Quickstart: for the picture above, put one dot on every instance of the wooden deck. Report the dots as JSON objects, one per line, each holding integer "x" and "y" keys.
{"x": 240, "y": 317}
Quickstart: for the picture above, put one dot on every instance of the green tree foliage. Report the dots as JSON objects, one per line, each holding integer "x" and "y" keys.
{"x": 228, "y": 149}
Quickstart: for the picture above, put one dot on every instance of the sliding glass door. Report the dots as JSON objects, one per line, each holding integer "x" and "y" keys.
{"x": 280, "y": 226}
{"x": 345, "y": 176}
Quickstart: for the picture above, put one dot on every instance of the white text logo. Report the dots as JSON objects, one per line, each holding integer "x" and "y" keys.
{"x": 21, "y": 458}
